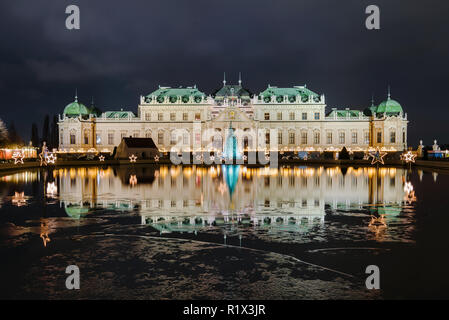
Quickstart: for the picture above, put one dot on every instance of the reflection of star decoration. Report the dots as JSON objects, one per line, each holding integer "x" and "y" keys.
{"x": 267, "y": 157}
{"x": 378, "y": 156}
{"x": 18, "y": 157}
{"x": 133, "y": 180}
{"x": 199, "y": 158}
{"x": 409, "y": 198}
{"x": 156, "y": 158}
{"x": 245, "y": 157}
{"x": 101, "y": 158}
{"x": 212, "y": 158}
{"x": 52, "y": 189}
{"x": 50, "y": 158}
{"x": 222, "y": 188}
{"x": 44, "y": 234}
{"x": 408, "y": 187}
{"x": 19, "y": 199}
{"x": 408, "y": 157}
{"x": 132, "y": 158}
{"x": 377, "y": 221}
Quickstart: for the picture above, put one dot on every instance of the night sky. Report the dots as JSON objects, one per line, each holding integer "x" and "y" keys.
{"x": 128, "y": 48}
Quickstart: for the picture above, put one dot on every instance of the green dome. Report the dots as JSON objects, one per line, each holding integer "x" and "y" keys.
{"x": 389, "y": 106}
{"x": 76, "y": 108}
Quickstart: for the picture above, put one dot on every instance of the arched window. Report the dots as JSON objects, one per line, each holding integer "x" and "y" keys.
{"x": 160, "y": 137}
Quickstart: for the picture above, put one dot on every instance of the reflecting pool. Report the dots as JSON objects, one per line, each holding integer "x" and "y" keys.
{"x": 224, "y": 232}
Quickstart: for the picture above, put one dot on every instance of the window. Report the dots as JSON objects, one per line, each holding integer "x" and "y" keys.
{"x": 267, "y": 138}
{"x": 267, "y": 116}
{"x": 185, "y": 116}
{"x": 329, "y": 138}
{"x": 61, "y": 138}
{"x": 392, "y": 137}
{"x": 86, "y": 138}
{"x": 197, "y": 116}
{"x": 279, "y": 116}
{"x": 148, "y": 134}
{"x": 303, "y": 137}
{"x": 98, "y": 138}
{"x": 292, "y": 116}
{"x": 291, "y": 138}
{"x": 403, "y": 136}
{"x": 173, "y": 138}
{"x": 110, "y": 138}
{"x": 354, "y": 138}
{"x": 317, "y": 116}
{"x": 160, "y": 137}
{"x": 72, "y": 138}
{"x": 304, "y": 116}
{"x": 379, "y": 137}
{"x": 185, "y": 139}
{"x": 172, "y": 116}
{"x": 135, "y": 134}
{"x": 147, "y": 116}
{"x": 341, "y": 138}
{"x": 122, "y": 135}
{"x": 316, "y": 138}
{"x": 160, "y": 116}
{"x": 366, "y": 137}
{"x": 279, "y": 137}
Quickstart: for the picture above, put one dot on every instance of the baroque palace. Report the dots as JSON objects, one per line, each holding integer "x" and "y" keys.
{"x": 276, "y": 119}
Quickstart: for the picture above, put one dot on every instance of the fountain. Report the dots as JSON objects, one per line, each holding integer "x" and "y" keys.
{"x": 230, "y": 150}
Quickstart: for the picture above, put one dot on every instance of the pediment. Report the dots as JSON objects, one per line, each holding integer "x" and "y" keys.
{"x": 233, "y": 114}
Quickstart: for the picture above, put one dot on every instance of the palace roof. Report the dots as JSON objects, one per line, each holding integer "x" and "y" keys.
{"x": 232, "y": 91}
{"x": 291, "y": 93}
{"x": 174, "y": 93}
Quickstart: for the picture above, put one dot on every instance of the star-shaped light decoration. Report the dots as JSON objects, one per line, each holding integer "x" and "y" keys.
{"x": 52, "y": 189}
{"x": 408, "y": 157}
{"x": 156, "y": 158}
{"x": 245, "y": 157}
{"x": 101, "y": 158}
{"x": 19, "y": 199}
{"x": 132, "y": 180}
{"x": 18, "y": 157}
{"x": 50, "y": 158}
{"x": 378, "y": 156}
{"x": 132, "y": 158}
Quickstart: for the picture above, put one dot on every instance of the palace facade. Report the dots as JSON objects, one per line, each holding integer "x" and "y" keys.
{"x": 276, "y": 119}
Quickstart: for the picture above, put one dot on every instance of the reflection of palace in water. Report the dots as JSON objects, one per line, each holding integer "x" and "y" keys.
{"x": 188, "y": 196}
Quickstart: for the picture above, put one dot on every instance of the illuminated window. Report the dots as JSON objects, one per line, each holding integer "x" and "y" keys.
{"x": 98, "y": 139}
{"x": 86, "y": 138}
{"x": 341, "y": 138}
{"x": 279, "y": 116}
{"x": 379, "y": 137}
{"x": 72, "y": 138}
{"x": 303, "y": 137}
{"x": 160, "y": 137}
{"x": 172, "y": 116}
{"x": 185, "y": 116}
{"x": 304, "y": 116}
{"x": 291, "y": 138}
{"x": 279, "y": 137}
{"x": 316, "y": 138}
{"x": 197, "y": 116}
{"x": 110, "y": 138}
{"x": 317, "y": 116}
{"x": 267, "y": 138}
{"x": 292, "y": 116}
{"x": 147, "y": 116}
{"x": 366, "y": 137}
{"x": 329, "y": 138}
{"x": 160, "y": 116}
{"x": 354, "y": 138}
{"x": 392, "y": 137}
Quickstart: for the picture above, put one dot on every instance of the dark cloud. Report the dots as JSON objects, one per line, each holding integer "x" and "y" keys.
{"x": 127, "y": 48}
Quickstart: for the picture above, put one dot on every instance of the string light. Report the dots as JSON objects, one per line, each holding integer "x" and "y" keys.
{"x": 378, "y": 156}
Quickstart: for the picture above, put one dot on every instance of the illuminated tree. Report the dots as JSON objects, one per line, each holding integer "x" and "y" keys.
{"x": 3, "y": 133}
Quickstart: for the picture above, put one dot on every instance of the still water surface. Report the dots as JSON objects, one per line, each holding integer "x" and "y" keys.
{"x": 224, "y": 232}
